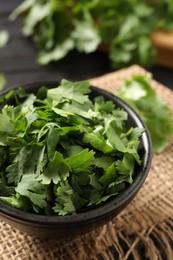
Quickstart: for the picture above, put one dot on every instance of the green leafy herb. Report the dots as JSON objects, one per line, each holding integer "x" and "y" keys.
{"x": 4, "y": 38}
{"x": 123, "y": 26}
{"x": 152, "y": 109}
{"x": 63, "y": 153}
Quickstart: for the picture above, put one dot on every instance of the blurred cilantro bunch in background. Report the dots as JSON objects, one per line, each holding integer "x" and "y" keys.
{"x": 122, "y": 27}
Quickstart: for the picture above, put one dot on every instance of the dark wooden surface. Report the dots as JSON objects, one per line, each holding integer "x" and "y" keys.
{"x": 18, "y": 59}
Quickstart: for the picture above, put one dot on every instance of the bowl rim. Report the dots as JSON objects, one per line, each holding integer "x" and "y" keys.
{"x": 112, "y": 205}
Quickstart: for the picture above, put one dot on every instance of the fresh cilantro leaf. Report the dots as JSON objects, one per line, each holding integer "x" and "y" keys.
{"x": 5, "y": 189}
{"x": 103, "y": 106}
{"x": 56, "y": 170}
{"x": 125, "y": 167}
{"x": 97, "y": 143}
{"x": 81, "y": 161}
{"x": 61, "y": 112}
{"x": 52, "y": 141}
{"x": 59, "y": 52}
{"x": 73, "y": 150}
{"x": 139, "y": 93}
{"x": 64, "y": 204}
{"x": 31, "y": 188}
{"x": 80, "y": 110}
{"x": 69, "y": 130}
{"x": 110, "y": 175}
{"x": 103, "y": 161}
{"x": 4, "y": 38}
{"x": 5, "y": 125}
{"x": 71, "y": 91}
{"x": 27, "y": 161}
{"x": 85, "y": 42}
{"x": 17, "y": 201}
{"x": 115, "y": 140}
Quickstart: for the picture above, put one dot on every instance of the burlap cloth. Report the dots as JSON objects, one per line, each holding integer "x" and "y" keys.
{"x": 144, "y": 230}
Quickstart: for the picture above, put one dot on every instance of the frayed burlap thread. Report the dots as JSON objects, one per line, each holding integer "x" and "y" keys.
{"x": 144, "y": 230}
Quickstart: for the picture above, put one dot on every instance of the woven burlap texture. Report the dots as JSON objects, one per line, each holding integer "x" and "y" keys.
{"x": 144, "y": 230}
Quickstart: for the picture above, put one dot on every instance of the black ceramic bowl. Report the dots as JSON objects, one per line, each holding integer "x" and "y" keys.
{"x": 60, "y": 227}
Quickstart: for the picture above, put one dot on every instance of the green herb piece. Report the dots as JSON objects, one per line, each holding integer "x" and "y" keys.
{"x": 16, "y": 201}
{"x": 81, "y": 161}
{"x": 90, "y": 38}
{"x": 59, "y": 52}
{"x": 57, "y": 170}
{"x": 64, "y": 202}
{"x": 152, "y": 109}
{"x": 22, "y": 165}
{"x": 97, "y": 143}
{"x": 70, "y": 91}
{"x": 31, "y": 188}
{"x": 110, "y": 174}
{"x": 61, "y": 152}
{"x": 4, "y": 38}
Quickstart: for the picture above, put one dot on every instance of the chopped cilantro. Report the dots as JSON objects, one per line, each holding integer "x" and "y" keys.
{"x": 61, "y": 152}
